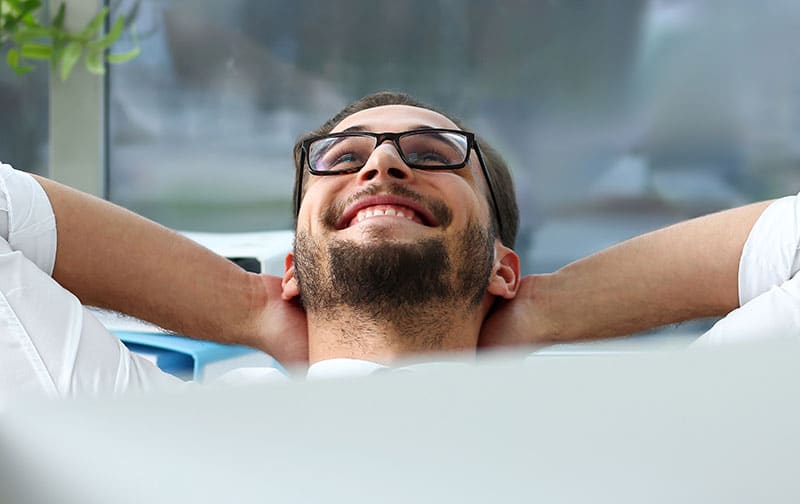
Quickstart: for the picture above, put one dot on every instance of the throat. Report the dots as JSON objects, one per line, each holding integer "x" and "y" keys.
{"x": 391, "y": 336}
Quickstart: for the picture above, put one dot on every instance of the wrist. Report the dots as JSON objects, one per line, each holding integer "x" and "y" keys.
{"x": 256, "y": 299}
{"x": 549, "y": 298}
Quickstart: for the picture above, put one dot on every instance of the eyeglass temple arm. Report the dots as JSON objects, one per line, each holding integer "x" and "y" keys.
{"x": 299, "y": 189}
{"x": 490, "y": 183}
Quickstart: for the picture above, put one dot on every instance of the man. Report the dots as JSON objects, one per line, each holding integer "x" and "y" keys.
{"x": 402, "y": 242}
{"x": 404, "y": 236}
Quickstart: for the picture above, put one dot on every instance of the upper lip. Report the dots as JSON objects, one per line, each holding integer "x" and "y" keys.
{"x": 386, "y": 199}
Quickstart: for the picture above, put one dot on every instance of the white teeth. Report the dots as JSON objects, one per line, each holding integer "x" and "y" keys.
{"x": 377, "y": 212}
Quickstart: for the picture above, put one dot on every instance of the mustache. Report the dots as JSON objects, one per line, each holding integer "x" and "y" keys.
{"x": 330, "y": 217}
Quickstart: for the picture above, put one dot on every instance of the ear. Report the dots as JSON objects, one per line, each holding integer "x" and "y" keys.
{"x": 504, "y": 281}
{"x": 289, "y": 285}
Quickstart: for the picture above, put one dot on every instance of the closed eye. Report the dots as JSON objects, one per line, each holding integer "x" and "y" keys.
{"x": 429, "y": 157}
{"x": 347, "y": 157}
{"x": 341, "y": 159}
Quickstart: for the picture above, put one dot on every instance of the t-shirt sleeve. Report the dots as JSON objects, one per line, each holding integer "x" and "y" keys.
{"x": 770, "y": 255}
{"x": 771, "y": 316}
{"x": 27, "y": 222}
{"x": 769, "y": 287}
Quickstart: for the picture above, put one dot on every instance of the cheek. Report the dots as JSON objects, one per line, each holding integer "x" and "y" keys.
{"x": 309, "y": 207}
{"x": 319, "y": 195}
{"x": 466, "y": 199}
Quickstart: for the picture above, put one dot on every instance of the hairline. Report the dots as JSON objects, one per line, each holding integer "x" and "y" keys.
{"x": 453, "y": 124}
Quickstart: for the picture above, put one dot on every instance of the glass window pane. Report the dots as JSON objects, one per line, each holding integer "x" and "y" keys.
{"x": 616, "y": 117}
{"x": 24, "y": 101}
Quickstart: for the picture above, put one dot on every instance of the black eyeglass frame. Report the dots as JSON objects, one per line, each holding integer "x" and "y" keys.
{"x": 380, "y": 138}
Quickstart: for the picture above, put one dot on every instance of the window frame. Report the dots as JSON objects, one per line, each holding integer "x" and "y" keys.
{"x": 78, "y": 116}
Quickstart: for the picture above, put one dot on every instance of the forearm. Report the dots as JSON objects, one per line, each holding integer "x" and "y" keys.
{"x": 112, "y": 258}
{"x": 688, "y": 270}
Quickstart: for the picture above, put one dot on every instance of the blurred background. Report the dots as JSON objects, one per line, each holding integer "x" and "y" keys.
{"x": 617, "y": 116}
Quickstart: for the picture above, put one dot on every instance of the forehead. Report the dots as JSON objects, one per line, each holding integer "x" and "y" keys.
{"x": 394, "y": 118}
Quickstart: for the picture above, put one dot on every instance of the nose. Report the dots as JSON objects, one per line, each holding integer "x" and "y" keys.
{"x": 385, "y": 162}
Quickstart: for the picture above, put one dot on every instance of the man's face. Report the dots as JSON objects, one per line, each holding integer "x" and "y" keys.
{"x": 433, "y": 203}
{"x": 389, "y": 240}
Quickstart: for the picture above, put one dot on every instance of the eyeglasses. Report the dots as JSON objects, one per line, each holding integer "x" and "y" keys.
{"x": 422, "y": 149}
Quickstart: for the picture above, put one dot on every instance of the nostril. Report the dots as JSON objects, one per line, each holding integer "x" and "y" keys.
{"x": 397, "y": 173}
{"x": 371, "y": 173}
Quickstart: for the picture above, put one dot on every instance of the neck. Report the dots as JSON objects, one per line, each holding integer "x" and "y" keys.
{"x": 352, "y": 334}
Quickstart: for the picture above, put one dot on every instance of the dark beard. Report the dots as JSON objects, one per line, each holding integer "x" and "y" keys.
{"x": 414, "y": 287}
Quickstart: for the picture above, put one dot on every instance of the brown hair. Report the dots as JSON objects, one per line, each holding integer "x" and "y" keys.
{"x": 498, "y": 170}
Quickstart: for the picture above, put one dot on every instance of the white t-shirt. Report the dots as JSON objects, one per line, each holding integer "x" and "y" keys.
{"x": 50, "y": 344}
{"x": 769, "y": 287}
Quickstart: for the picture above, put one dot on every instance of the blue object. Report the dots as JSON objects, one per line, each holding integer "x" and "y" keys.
{"x": 184, "y": 357}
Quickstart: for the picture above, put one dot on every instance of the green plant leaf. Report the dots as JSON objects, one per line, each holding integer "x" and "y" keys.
{"x": 10, "y": 23}
{"x": 19, "y": 12}
{"x": 12, "y": 58}
{"x": 94, "y": 25}
{"x": 71, "y": 55}
{"x": 27, "y": 10}
{"x": 111, "y": 37}
{"x": 36, "y": 51}
{"x": 23, "y": 69}
{"x": 58, "y": 20}
{"x": 59, "y": 45}
{"x": 27, "y": 34}
{"x": 25, "y": 7}
{"x": 28, "y": 6}
{"x": 122, "y": 57}
{"x": 32, "y": 39}
{"x": 12, "y": 6}
{"x": 94, "y": 62}
{"x": 60, "y": 37}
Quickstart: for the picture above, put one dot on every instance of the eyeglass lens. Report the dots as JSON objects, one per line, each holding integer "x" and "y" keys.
{"x": 434, "y": 149}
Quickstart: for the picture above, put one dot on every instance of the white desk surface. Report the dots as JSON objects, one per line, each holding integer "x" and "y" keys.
{"x": 677, "y": 427}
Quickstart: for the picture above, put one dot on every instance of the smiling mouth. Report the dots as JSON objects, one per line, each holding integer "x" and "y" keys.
{"x": 384, "y": 211}
{"x": 389, "y": 204}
